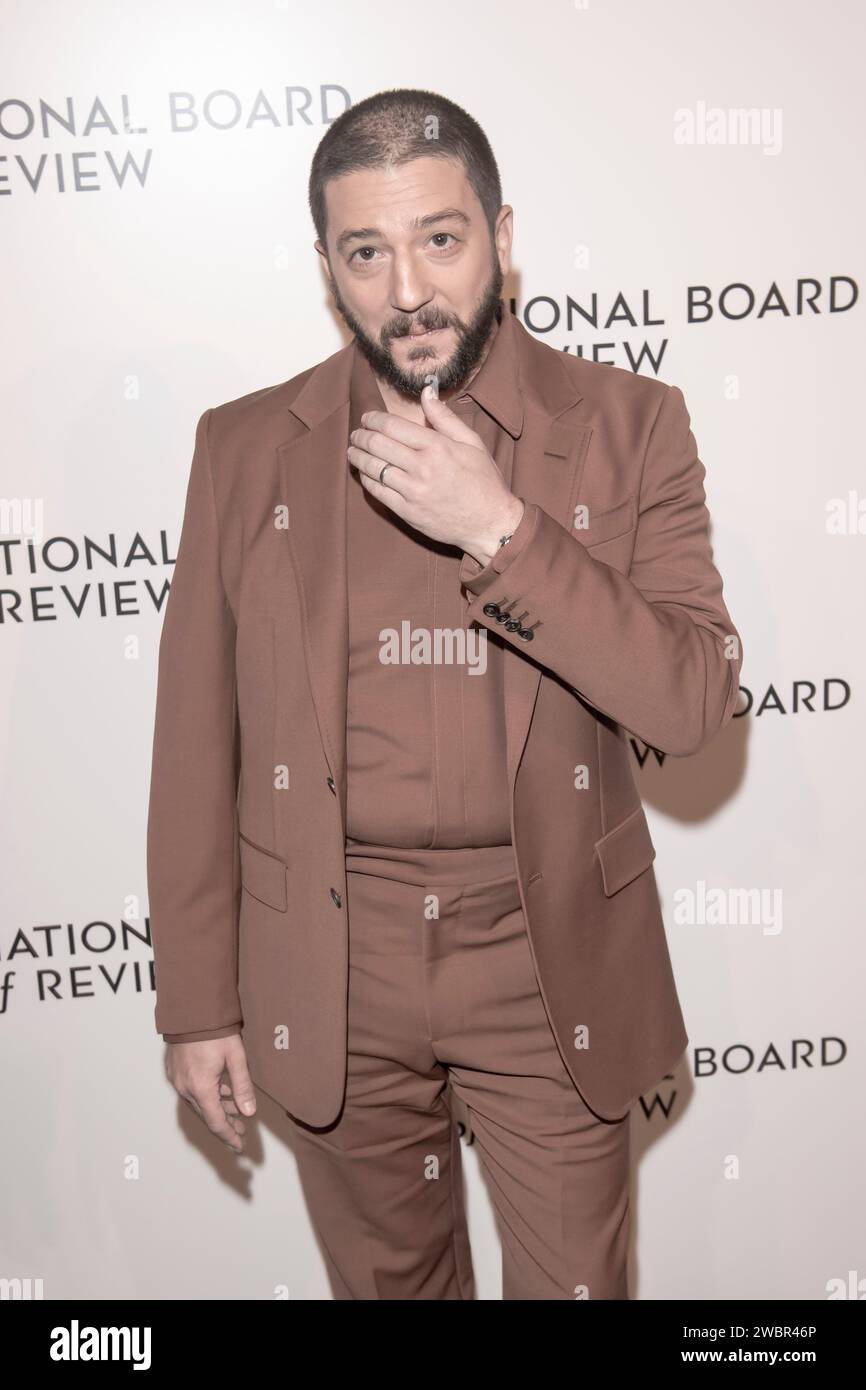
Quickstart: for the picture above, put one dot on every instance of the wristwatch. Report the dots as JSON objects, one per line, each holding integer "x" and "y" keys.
{"x": 503, "y": 540}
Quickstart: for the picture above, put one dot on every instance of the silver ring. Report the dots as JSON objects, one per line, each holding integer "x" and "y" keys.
{"x": 382, "y": 471}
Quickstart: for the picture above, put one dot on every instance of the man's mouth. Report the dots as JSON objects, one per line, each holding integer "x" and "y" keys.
{"x": 421, "y": 332}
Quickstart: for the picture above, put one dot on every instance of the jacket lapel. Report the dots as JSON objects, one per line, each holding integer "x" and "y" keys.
{"x": 313, "y": 474}
{"x": 549, "y": 457}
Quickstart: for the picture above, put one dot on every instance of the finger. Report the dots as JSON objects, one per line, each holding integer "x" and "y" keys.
{"x": 243, "y": 1091}
{"x": 383, "y": 447}
{"x": 397, "y": 427}
{"x": 228, "y": 1103}
{"x": 210, "y": 1110}
{"x": 370, "y": 467}
{"x": 444, "y": 421}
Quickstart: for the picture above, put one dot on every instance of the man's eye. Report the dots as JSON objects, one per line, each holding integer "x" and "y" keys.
{"x": 368, "y": 260}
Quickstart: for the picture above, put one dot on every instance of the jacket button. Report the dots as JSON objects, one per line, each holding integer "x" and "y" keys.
{"x": 335, "y": 895}
{"x": 526, "y": 634}
{"x": 491, "y": 609}
{"x": 332, "y": 786}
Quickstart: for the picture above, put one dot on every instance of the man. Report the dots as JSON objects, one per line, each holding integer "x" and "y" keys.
{"x": 397, "y": 858}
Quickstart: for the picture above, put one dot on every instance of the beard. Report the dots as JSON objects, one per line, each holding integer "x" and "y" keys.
{"x": 471, "y": 341}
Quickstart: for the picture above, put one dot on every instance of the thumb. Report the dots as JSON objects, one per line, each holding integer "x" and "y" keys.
{"x": 239, "y": 1077}
{"x": 442, "y": 418}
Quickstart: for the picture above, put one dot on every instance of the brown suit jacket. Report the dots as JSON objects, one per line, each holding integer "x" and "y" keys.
{"x": 246, "y": 826}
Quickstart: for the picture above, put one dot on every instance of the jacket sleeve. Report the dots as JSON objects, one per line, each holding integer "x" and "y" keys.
{"x": 193, "y": 866}
{"x": 655, "y": 651}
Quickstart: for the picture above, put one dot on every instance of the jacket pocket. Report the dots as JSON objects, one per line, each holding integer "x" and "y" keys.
{"x": 263, "y": 874}
{"x": 608, "y": 525}
{"x": 625, "y": 851}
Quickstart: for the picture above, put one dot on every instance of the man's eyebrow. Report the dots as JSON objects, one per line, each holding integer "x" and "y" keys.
{"x": 419, "y": 224}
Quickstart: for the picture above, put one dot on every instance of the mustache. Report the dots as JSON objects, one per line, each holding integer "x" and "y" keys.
{"x": 404, "y": 329}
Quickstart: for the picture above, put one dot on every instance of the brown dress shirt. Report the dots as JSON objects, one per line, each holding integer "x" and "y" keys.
{"x": 426, "y": 750}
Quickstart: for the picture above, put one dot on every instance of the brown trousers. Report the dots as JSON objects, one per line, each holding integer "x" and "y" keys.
{"x": 442, "y": 989}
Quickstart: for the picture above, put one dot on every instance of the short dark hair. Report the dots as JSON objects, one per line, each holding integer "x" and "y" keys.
{"x": 393, "y": 127}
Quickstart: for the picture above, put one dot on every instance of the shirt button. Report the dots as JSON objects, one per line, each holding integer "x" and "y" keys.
{"x": 335, "y": 895}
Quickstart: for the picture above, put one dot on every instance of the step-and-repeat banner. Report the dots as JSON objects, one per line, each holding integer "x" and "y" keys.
{"x": 687, "y": 190}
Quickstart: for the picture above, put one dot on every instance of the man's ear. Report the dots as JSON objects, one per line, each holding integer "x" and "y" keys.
{"x": 504, "y": 235}
{"x": 326, "y": 266}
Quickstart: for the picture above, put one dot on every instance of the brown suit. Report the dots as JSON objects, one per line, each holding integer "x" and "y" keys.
{"x": 616, "y": 625}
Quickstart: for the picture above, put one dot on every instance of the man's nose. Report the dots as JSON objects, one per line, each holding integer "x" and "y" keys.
{"x": 410, "y": 286}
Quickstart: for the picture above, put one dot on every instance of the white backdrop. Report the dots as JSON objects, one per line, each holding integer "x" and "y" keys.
{"x": 133, "y": 301}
